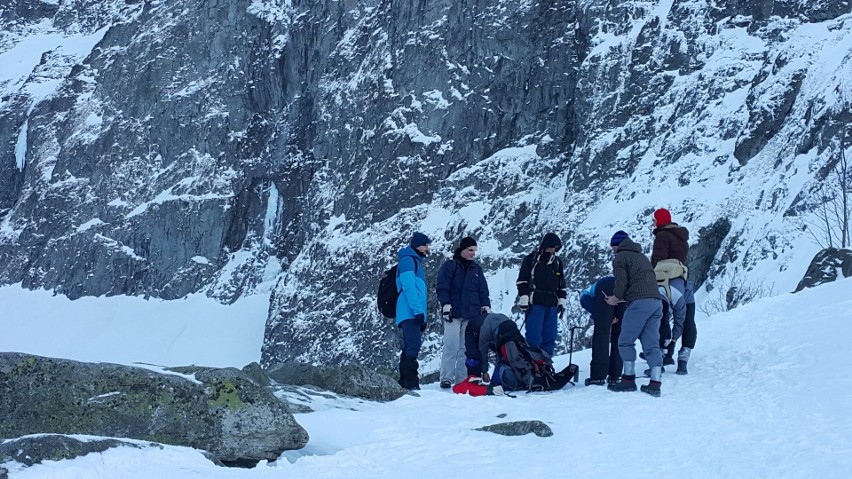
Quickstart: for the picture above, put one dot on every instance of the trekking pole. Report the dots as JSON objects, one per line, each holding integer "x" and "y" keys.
{"x": 571, "y": 353}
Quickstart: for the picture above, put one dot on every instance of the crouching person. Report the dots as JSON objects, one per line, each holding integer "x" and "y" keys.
{"x": 606, "y": 361}
{"x": 518, "y": 367}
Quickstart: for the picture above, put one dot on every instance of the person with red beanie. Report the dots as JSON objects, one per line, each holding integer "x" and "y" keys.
{"x": 671, "y": 242}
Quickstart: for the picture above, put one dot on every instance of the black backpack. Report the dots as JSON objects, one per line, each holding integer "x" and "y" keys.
{"x": 387, "y": 294}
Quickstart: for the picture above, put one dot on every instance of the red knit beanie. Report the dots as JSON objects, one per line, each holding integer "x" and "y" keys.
{"x": 662, "y": 216}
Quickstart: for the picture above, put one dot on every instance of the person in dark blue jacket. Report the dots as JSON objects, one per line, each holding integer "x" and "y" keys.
{"x": 463, "y": 294}
{"x": 606, "y": 361}
{"x": 411, "y": 307}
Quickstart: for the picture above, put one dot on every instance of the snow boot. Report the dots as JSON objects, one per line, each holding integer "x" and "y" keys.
{"x": 652, "y": 388}
{"x": 595, "y": 382}
{"x": 408, "y": 377}
{"x": 668, "y": 359}
{"x": 682, "y": 358}
{"x": 446, "y": 384}
{"x": 627, "y": 384}
{"x": 628, "y": 379}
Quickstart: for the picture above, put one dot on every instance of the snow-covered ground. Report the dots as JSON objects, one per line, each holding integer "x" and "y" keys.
{"x": 767, "y": 397}
{"x": 124, "y": 329}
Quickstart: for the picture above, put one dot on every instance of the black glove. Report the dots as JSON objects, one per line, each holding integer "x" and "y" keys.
{"x": 421, "y": 319}
{"x": 560, "y": 311}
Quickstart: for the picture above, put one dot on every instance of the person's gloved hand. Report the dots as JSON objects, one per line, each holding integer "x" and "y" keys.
{"x": 447, "y": 313}
{"x": 421, "y": 319}
{"x": 524, "y": 303}
{"x": 486, "y": 378}
{"x": 486, "y": 310}
{"x": 560, "y": 307}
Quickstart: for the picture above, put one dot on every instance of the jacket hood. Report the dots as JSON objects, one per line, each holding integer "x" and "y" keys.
{"x": 629, "y": 245}
{"x": 408, "y": 251}
{"x": 550, "y": 240}
{"x": 675, "y": 229}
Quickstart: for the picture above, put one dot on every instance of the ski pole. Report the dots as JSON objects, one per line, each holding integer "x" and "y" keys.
{"x": 571, "y": 354}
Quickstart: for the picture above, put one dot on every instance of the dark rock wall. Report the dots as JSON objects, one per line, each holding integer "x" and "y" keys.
{"x": 226, "y": 146}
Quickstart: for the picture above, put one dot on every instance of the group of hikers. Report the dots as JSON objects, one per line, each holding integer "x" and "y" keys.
{"x": 635, "y": 302}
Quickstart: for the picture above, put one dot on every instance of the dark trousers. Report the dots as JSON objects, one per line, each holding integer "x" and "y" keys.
{"x": 605, "y": 357}
{"x": 542, "y": 328}
{"x": 690, "y": 331}
{"x": 473, "y": 357}
{"x": 411, "y": 338}
{"x": 665, "y": 326}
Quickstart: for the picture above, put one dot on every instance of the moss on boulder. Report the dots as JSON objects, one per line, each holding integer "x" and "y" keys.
{"x": 218, "y": 410}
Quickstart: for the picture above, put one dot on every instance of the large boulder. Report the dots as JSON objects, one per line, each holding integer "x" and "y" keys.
{"x": 32, "y": 450}
{"x": 827, "y": 266}
{"x": 218, "y": 410}
{"x": 351, "y": 380}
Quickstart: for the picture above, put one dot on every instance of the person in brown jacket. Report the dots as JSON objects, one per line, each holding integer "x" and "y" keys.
{"x": 636, "y": 284}
{"x": 670, "y": 239}
{"x": 671, "y": 242}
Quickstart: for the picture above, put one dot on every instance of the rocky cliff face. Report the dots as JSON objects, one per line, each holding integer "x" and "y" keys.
{"x": 163, "y": 148}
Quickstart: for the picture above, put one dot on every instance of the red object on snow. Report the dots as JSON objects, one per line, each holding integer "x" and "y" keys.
{"x": 475, "y": 388}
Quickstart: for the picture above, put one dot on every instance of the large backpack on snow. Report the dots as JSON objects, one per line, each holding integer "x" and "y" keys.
{"x": 524, "y": 368}
{"x": 387, "y": 294}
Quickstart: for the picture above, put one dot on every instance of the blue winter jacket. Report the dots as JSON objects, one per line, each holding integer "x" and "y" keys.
{"x": 463, "y": 287}
{"x": 411, "y": 284}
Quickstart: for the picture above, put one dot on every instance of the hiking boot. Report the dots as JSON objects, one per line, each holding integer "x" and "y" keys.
{"x": 647, "y": 372}
{"x": 668, "y": 357}
{"x": 446, "y": 384}
{"x": 595, "y": 382}
{"x": 627, "y": 383}
{"x": 611, "y": 380}
{"x": 652, "y": 388}
{"x": 681, "y": 368}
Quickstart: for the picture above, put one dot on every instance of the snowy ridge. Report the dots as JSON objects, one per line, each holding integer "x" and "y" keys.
{"x": 759, "y": 401}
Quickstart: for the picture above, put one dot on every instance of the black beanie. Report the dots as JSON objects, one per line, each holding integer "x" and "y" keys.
{"x": 466, "y": 243}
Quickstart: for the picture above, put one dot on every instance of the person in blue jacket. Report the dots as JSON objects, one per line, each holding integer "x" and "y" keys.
{"x": 463, "y": 295}
{"x": 606, "y": 361}
{"x": 411, "y": 306}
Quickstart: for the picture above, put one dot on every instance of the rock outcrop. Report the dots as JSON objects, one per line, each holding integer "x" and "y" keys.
{"x": 217, "y": 410}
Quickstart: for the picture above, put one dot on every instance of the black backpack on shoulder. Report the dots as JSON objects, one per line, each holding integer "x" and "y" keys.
{"x": 387, "y": 294}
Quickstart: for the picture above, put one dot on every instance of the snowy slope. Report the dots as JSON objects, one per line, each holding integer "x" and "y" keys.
{"x": 127, "y": 329}
{"x": 766, "y": 398}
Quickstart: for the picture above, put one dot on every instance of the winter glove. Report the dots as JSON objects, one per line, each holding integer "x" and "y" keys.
{"x": 421, "y": 319}
{"x": 486, "y": 310}
{"x": 479, "y": 380}
{"x": 447, "y": 313}
{"x": 524, "y": 303}
{"x": 561, "y": 307}
{"x": 486, "y": 378}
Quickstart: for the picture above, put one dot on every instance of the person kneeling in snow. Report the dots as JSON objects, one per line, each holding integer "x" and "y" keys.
{"x": 518, "y": 367}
